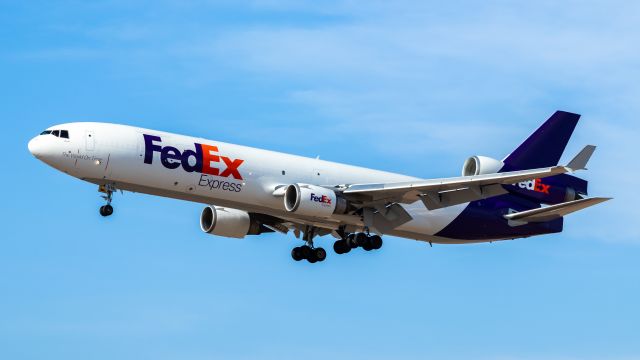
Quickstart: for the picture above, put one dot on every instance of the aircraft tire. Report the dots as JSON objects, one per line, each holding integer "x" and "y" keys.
{"x": 106, "y": 210}
{"x": 361, "y": 239}
{"x": 338, "y": 247}
{"x": 376, "y": 242}
{"x": 341, "y": 247}
{"x": 367, "y": 246}
{"x": 305, "y": 251}
{"x": 351, "y": 241}
{"x": 296, "y": 254}
{"x": 319, "y": 254}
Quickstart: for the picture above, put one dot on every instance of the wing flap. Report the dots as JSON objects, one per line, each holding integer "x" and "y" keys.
{"x": 436, "y": 200}
{"x": 554, "y": 211}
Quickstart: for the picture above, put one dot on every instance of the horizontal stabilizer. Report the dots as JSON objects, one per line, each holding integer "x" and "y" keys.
{"x": 554, "y": 211}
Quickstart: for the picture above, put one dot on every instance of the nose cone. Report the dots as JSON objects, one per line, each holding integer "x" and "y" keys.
{"x": 35, "y": 147}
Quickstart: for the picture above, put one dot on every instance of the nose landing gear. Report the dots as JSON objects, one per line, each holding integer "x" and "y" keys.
{"x": 108, "y": 189}
{"x": 106, "y": 210}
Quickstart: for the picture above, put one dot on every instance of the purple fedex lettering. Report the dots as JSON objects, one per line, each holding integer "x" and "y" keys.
{"x": 321, "y": 199}
{"x": 170, "y": 157}
{"x": 203, "y": 156}
{"x": 197, "y": 155}
{"x": 168, "y": 154}
{"x": 150, "y": 147}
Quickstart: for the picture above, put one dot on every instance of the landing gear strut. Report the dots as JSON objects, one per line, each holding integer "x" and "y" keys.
{"x": 308, "y": 251}
{"x": 108, "y": 189}
{"x": 352, "y": 241}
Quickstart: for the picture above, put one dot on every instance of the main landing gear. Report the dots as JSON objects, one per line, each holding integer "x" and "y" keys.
{"x": 107, "y": 210}
{"x": 308, "y": 251}
{"x": 352, "y": 241}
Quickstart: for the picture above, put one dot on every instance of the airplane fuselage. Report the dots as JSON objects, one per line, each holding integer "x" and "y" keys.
{"x": 212, "y": 172}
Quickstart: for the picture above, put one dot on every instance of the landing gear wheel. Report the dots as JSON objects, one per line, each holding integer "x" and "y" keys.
{"x": 296, "y": 254}
{"x": 367, "y": 246}
{"x": 376, "y": 242}
{"x": 305, "y": 251}
{"x": 106, "y": 210}
{"x": 319, "y": 254}
{"x": 337, "y": 247}
{"x": 108, "y": 189}
{"x": 361, "y": 239}
{"x": 341, "y": 247}
{"x": 351, "y": 241}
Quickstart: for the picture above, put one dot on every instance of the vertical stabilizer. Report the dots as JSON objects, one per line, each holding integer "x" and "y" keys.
{"x": 545, "y": 146}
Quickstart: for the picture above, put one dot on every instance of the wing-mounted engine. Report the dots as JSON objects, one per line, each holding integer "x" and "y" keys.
{"x": 230, "y": 222}
{"x": 479, "y": 165}
{"x": 313, "y": 200}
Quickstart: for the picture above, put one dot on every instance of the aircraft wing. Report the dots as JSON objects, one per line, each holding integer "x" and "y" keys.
{"x": 439, "y": 193}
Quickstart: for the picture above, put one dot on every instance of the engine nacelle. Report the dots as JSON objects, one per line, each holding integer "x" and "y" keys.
{"x": 312, "y": 200}
{"x": 228, "y": 222}
{"x": 478, "y": 165}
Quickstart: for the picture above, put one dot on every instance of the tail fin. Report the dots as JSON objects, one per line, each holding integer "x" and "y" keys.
{"x": 545, "y": 146}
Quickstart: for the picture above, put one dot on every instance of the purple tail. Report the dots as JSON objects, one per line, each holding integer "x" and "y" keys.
{"x": 545, "y": 146}
{"x": 543, "y": 149}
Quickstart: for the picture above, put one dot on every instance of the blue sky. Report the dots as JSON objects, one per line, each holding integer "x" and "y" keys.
{"x": 408, "y": 86}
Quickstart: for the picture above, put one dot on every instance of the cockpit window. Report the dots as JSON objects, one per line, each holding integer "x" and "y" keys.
{"x": 57, "y": 133}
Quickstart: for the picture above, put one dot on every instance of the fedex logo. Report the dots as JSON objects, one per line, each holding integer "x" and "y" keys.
{"x": 321, "y": 199}
{"x": 204, "y": 159}
{"x": 535, "y": 185}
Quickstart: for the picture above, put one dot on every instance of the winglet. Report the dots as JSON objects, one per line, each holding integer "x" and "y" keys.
{"x": 579, "y": 162}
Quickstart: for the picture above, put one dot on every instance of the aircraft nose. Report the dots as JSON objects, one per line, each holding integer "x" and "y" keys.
{"x": 35, "y": 147}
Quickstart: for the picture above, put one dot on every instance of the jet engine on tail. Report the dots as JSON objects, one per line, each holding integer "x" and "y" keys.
{"x": 479, "y": 165}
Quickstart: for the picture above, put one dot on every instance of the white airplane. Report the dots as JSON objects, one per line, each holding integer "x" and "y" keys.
{"x": 250, "y": 191}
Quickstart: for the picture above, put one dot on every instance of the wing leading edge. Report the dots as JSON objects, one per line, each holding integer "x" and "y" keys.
{"x": 439, "y": 193}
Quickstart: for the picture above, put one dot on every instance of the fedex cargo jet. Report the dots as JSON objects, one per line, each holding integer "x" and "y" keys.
{"x": 249, "y": 191}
